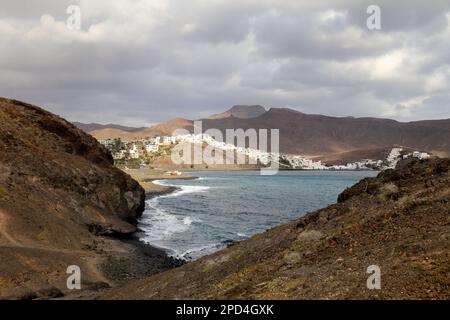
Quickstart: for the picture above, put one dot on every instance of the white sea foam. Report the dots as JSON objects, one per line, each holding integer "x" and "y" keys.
{"x": 186, "y": 190}
{"x": 211, "y": 178}
{"x": 183, "y": 189}
{"x": 159, "y": 225}
{"x": 160, "y": 182}
{"x": 189, "y": 220}
{"x": 159, "y": 228}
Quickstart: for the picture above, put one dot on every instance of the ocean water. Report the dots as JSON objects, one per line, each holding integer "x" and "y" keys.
{"x": 205, "y": 213}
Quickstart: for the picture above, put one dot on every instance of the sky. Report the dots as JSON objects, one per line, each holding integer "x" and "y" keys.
{"x": 139, "y": 62}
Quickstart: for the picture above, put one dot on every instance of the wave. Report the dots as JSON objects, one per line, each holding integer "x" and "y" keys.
{"x": 158, "y": 224}
{"x": 187, "y": 189}
{"x": 188, "y": 220}
{"x": 182, "y": 189}
{"x": 159, "y": 228}
{"x": 160, "y": 182}
{"x": 211, "y": 178}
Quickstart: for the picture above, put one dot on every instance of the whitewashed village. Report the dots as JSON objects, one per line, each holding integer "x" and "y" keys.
{"x": 141, "y": 153}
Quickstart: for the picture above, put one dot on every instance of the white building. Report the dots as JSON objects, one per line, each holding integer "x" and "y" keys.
{"x": 420, "y": 155}
{"x": 169, "y": 140}
{"x": 107, "y": 143}
{"x": 119, "y": 155}
{"x": 152, "y": 141}
{"x": 152, "y": 148}
{"x": 134, "y": 152}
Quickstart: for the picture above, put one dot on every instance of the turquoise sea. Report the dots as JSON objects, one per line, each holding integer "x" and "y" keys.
{"x": 218, "y": 207}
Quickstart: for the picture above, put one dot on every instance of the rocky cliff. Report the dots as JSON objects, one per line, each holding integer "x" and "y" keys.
{"x": 59, "y": 195}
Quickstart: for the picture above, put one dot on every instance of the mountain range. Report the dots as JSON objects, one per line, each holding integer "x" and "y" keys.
{"x": 241, "y": 111}
{"x": 312, "y": 135}
{"x": 89, "y": 127}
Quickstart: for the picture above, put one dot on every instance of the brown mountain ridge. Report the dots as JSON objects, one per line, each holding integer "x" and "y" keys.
{"x": 316, "y": 135}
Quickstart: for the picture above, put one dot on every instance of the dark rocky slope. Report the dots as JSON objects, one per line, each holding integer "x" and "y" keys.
{"x": 399, "y": 220}
{"x": 59, "y": 193}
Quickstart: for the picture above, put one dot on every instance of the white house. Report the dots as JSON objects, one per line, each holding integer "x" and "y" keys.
{"x": 134, "y": 152}
{"x": 107, "y": 143}
{"x": 420, "y": 155}
{"x": 119, "y": 155}
{"x": 151, "y": 141}
{"x": 152, "y": 148}
{"x": 169, "y": 140}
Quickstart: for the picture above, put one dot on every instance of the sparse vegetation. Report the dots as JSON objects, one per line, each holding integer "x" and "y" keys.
{"x": 236, "y": 256}
{"x": 429, "y": 170}
{"x": 406, "y": 201}
{"x": 43, "y": 235}
{"x": 388, "y": 192}
{"x": 208, "y": 268}
{"x": 3, "y": 194}
{"x": 418, "y": 266}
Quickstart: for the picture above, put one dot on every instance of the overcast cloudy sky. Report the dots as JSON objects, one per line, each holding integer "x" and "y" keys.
{"x": 138, "y": 62}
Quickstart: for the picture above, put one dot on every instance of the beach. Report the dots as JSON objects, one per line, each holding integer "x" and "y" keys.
{"x": 141, "y": 259}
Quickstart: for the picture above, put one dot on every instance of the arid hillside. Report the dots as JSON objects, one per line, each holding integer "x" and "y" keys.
{"x": 398, "y": 221}
{"x": 59, "y": 196}
{"x": 162, "y": 129}
{"x": 316, "y": 136}
{"x": 89, "y": 127}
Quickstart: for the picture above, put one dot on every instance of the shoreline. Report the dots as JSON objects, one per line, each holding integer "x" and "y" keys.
{"x": 337, "y": 242}
{"x": 280, "y": 169}
{"x": 144, "y": 259}
{"x": 141, "y": 259}
{"x": 161, "y": 190}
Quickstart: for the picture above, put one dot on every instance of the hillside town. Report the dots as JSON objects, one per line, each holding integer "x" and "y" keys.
{"x": 138, "y": 152}
{"x": 143, "y": 152}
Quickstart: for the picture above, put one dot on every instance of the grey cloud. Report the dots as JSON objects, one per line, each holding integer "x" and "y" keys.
{"x": 138, "y": 62}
